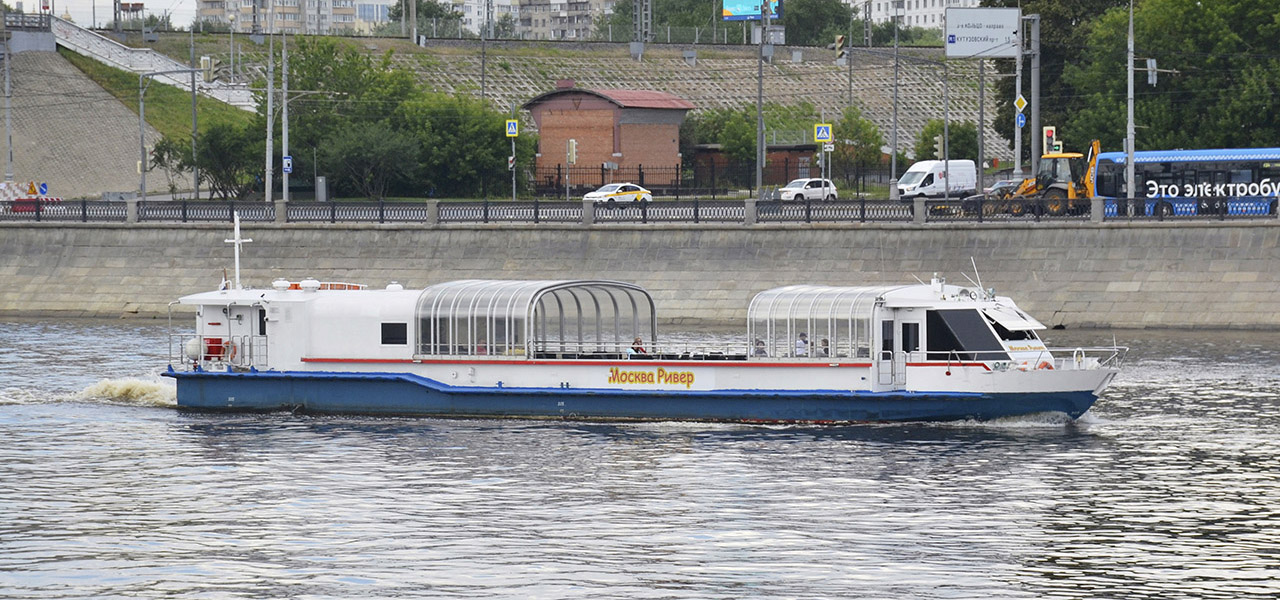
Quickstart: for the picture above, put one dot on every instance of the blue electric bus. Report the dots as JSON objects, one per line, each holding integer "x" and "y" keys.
{"x": 1232, "y": 181}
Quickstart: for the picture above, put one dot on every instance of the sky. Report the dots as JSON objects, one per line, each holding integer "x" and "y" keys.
{"x": 82, "y": 11}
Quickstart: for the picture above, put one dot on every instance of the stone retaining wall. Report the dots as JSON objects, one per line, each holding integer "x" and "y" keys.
{"x": 1209, "y": 275}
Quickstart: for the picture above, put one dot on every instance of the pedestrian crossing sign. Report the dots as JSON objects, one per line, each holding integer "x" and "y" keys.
{"x": 822, "y": 132}
{"x": 513, "y": 128}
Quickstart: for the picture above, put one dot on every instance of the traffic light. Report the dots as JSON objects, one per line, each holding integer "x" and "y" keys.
{"x": 1049, "y": 138}
{"x": 839, "y": 47}
{"x": 937, "y": 146}
{"x": 573, "y": 151}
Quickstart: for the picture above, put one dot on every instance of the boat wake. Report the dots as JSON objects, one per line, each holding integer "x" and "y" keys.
{"x": 131, "y": 391}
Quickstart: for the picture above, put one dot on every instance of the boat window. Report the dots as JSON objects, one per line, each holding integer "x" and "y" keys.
{"x": 886, "y": 336}
{"x": 1014, "y": 335}
{"x": 961, "y": 335}
{"x": 396, "y": 334}
{"x": 910, "y": 337}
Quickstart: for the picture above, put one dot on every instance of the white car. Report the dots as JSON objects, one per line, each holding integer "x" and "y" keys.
{"x": 616, "y": 193}
{"x": 808, "y": 189}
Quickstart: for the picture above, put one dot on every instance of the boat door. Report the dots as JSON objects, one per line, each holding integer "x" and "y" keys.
{"x": 247, "y": 329}
{"x": 900, "y": 342}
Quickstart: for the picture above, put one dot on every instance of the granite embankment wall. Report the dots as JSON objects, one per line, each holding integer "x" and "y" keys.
{"x": 1210, "y": 275}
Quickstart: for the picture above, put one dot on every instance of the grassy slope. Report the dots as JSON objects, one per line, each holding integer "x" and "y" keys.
{"x": 168, "y": 107}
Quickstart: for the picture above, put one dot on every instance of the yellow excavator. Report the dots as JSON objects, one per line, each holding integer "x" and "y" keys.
{"x": 1063, "y": 185}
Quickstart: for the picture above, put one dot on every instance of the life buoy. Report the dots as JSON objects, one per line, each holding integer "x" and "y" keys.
{"x": 1044, "y": 364}
{"x": 228, "y": 351}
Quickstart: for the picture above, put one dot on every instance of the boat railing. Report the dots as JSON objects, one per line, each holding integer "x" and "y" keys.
{"x": 692, "y": 349}
{"x": 1082, "y": 358}
{"x": 190, "y": 352}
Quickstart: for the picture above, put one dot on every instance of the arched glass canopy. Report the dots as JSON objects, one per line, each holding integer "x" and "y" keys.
{"x": 839, "y": 315}
{"x": 560, "y": 318}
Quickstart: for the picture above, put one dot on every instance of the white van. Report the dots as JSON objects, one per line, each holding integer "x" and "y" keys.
{"x": 926, "y": 177}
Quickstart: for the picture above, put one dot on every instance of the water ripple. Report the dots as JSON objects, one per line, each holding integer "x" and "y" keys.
{"x": 1167, "y": 489}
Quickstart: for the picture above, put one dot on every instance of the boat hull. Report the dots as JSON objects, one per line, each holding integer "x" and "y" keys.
{"x": 410, "y": 394}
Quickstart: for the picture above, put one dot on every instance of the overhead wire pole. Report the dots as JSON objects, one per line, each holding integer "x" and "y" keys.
{"x": 195, "y": 169}
{"x": 893, "y": 146}
{"x": 284, "y": 141}
{"x": 760, "y": 147}
{"x": 144, "y": 80}
{"x": 270, "y": 187}
{"x": 8, "y": 109}
{"x": 1129, "y": 172}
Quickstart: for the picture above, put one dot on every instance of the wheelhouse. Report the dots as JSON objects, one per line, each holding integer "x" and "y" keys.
{"x": 543, "y": 318}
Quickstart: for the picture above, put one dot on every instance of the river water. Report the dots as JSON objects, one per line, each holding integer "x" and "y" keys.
{"x": 1168, "y": 488}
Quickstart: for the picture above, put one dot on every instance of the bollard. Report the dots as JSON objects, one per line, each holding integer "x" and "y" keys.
{"x": 750, "y": 215}
{"x": 131, "y": 210}
{"x": 917, "y": 212}
{"x": 588, "y": 212}
{"x": 282, "y": 211}
{"x": 1097, "y": 209}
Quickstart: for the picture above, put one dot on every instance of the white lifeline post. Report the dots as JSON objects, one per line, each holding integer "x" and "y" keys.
{"x": 237, "y": 241}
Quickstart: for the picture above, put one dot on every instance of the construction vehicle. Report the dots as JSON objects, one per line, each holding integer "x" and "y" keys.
{"x": 1063, "y": 184}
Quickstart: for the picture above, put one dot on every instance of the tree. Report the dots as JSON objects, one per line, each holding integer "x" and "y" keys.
{"x": 464, "y": 143}
{"x": 1065, "y": 28}
{"x": 882, "y": 35}
{"x": 173, "y": 156}
{"x": 815, "y": 22}
{"x": 229, "y": 157}
{"x": 371, "y": 158}
{"x": 673, "y": 13}
{"x": 858, "y": 144}
{"x": 504, "y": 27}
{"x": 1222, "y": 85}
{"x": 963, "y": 140}
{"x": 346, "y": 88}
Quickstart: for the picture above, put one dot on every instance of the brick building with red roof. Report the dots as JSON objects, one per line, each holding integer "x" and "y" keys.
{"x": 626, "y": 128}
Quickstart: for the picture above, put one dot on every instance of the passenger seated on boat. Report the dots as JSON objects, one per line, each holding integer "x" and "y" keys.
{"x": 760, "y": 350}
{"x": 824, "y": 347}
{"x": 802, "y": 345}
{"x": 637, "y": 347}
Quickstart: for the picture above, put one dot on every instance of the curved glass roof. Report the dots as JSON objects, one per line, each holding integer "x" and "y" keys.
{"x": 488, "y": 316}
{"x": 838, "y": 316}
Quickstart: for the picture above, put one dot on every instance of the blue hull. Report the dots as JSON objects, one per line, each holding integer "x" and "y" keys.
{"x": 407, "y": 394}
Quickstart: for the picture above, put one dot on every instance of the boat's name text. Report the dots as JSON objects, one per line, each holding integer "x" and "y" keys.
{"x": 660, "y": 376}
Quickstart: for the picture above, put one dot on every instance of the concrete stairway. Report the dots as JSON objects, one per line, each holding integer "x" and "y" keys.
{"x": 145, "y": 60}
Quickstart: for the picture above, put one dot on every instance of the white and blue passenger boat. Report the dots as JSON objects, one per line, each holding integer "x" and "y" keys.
{"x": 569, "y": 349}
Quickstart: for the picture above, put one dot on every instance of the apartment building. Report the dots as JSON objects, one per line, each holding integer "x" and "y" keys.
{"x": 915, "y": 13}
{"x": 561, "y": 19}
{"x": 282, "y": 16}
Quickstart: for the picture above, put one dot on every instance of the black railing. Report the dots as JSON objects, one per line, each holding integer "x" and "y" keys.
{"x": 687, "y": 210}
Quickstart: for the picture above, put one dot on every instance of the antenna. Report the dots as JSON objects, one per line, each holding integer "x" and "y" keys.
{"x": 917, "y": 278}
{"x": 975, "y": 271}
{"x": 237, "y": 240}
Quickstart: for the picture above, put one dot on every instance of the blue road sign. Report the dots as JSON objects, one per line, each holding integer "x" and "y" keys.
{"x": 822, "y": 132}
{"x": 513, "y": 128}
{"x": 44, "y": 189}
{"x": 286, "y": 164}
{"x": 1022, "y": 120}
